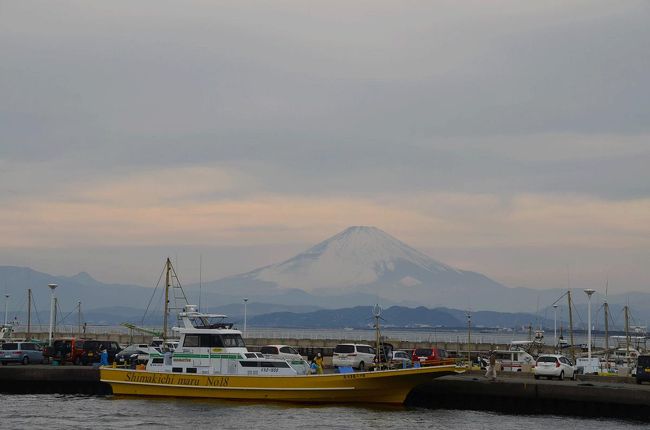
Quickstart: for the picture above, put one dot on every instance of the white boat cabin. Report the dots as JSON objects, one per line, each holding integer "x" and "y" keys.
{"x": 210, "y": 346}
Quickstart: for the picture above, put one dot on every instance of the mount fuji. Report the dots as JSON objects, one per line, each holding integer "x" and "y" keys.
{"x": 363, "y": 265}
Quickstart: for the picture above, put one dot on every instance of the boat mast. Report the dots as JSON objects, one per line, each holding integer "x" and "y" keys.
{"x": 29, "y": 313}
{"x": 573, "y": 352}
{"x": 168, "y": 266}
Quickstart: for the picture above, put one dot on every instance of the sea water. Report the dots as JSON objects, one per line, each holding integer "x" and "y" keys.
{"x": 83, "y": 412}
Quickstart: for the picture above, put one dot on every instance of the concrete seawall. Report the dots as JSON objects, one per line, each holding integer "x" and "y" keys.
{"x": 41, "y": 379}
{"x": 590, "y": 397}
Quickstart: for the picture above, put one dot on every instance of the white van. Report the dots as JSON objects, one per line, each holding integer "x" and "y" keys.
{"x": 358, "y": 356}
{"x": 513, "y": 361}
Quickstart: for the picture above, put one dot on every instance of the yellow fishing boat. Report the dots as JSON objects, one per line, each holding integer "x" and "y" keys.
{"x": 385, "y": 386}
{"x": 212, "y": 361}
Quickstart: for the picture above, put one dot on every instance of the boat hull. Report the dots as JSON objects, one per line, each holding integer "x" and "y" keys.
{"x": 387, "y": 386}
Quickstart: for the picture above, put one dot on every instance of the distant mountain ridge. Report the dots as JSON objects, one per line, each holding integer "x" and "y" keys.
{"x": 359, "y": 266}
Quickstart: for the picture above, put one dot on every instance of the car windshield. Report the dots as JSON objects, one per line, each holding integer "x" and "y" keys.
{"x": 9, "y": 346}
{"x": 546, "y": 360}
{"x": 344, "y": 349}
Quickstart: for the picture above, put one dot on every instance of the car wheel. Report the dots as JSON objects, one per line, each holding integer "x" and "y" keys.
{"x": 362, "y": 366}
{"x": 561, "y": 377}
{"x": 25, "y": 360}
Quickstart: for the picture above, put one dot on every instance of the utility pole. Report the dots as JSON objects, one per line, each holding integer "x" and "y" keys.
{"x": 627, "y": 335}
{"x": 29, "y": 314}
{"x": 79, "y": 318}
{"x": 606, "y": 306}
{"x": 469, "y": 340}
{"x": 573, "y": 352}
{"x": 555, "y": 326}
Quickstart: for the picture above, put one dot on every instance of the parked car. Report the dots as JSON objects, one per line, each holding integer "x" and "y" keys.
{"x": 284, "y": 352}
{"x": 431, "y": 356}
{"x": 400, "y": 359}
{"x": 65, "y": 350}
{"x": 358, "y": 356}
{"x": 92, "y": 350}
{"x": 554, "y": 366}
{"x": 137, "y": 353}
{"x": 20, "y": 352}
{"x": 643, "y": 368}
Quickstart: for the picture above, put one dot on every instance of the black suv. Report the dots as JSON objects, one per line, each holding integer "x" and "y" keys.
{"x": 92, "y": 351}
{"x": 643, "y": 369}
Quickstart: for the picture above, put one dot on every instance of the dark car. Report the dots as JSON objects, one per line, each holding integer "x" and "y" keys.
{"x": 643, "y": 369}
{"x": 92, "y": 351}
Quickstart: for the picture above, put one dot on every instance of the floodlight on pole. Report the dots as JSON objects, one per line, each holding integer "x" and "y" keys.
{"x": 52, "y": 312}
{"x": 589, "y": 292}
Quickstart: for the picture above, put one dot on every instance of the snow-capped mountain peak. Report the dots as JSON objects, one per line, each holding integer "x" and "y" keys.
{"x": 358, "y": 255}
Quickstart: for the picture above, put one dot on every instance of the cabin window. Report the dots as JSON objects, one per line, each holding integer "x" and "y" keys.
{"x": 205, "y": 341}
{"x": 157, "y": 360}
{"x": 233, "y": 340}
{"x": 177, "y": 369}
{"x": 190, "y": 370}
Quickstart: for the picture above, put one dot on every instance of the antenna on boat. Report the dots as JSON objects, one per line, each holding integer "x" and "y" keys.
{"x": 200, "y": 278}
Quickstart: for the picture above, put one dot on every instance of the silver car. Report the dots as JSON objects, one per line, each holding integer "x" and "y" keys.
{"x": 20, "y": 352}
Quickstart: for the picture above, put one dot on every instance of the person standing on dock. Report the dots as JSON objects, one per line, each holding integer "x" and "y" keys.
{"x": 492, "y": 367}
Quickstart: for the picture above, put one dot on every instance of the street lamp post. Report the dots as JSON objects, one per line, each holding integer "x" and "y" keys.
{"x": 589, "y": 292}
{"x": 52, "y": 311}
{"x": 245, "y": 302}
{"x": 6, "y": 303}
{"x": 555, "y": 325}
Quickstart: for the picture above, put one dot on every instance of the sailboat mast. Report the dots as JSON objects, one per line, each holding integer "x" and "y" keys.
{"x": 29, "y": 313}
{"x": 166, "y": 310}
{"x": 573, "y": 352}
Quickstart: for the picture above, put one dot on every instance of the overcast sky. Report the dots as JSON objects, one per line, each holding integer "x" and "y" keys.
{"x": 507, "y": 137}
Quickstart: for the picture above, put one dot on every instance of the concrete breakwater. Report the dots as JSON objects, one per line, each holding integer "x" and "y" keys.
{"x": 511, "y": 393}
{"x": 590, "y": 396}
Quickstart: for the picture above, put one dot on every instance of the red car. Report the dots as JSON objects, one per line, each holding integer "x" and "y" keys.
{"x": 431, "y": 356}
{"x": 65, "y": 350}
